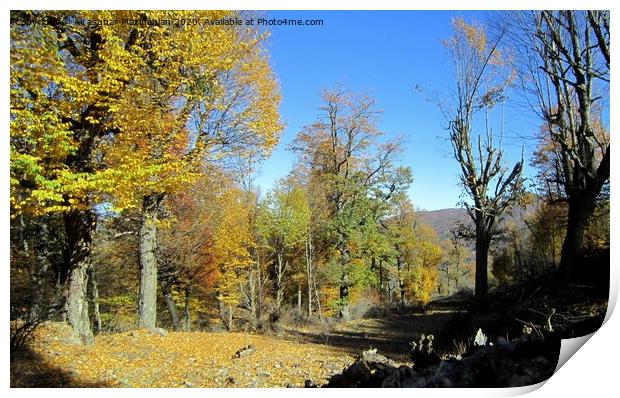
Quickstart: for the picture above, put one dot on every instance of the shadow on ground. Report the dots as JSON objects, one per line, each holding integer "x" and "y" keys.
{"x": 29, "y": 369}
{"x": 390, "y": 334}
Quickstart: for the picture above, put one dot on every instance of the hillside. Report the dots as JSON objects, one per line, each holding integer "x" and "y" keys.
{"x": 444, "y": 220}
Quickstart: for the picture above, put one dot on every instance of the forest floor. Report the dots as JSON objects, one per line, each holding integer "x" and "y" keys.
{"x": 141, "y": 358}
{"x": 390, "y": 333}
{"x": 294, "y": 353}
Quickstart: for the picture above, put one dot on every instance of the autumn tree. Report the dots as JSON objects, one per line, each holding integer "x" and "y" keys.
{"x": 123, "y": 114}
{"x": 565, "y": 61}
{"x": 283, "y": 223}
{"x": 455, "y": 265}
{"x": 186, "y": 255}
{"x": 401, "y": 228}
{"x": 67, "y": 77}
{"x": 345, "y": 151}
{"x": 480, "y": 80}
{"x": 421, "y": 258}
{"x": 228, "y": 111}
{"x": 232, "y": 244}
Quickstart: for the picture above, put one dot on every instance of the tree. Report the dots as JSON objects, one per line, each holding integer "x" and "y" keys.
{"x": 456, "y": 266}
{"x": 343, "y": 150}
{"x": 67, "y": 76}
{"x": 283, "y": 222}
{"x": 232, "y": 246}
{"x": 186, "y": 253}
{"x": 122, "y": 114}
{"x": 479, "y": 86}
{"x": 401, "y": 228}
{"x": 421, "y": 258}
{"x": 566, "y": 69}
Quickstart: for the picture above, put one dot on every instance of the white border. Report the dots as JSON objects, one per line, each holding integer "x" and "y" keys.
{"x": 593, "y": 372}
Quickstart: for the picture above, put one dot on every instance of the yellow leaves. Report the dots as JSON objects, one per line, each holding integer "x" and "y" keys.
{"x": 474, "y": 34}
{"x": 420, "y": 283}
{"x": 140, "y": 358}
{"x": 133, "y": 96}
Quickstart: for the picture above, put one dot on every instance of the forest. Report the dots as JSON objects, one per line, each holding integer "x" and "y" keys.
{"x": 144, "y": 254}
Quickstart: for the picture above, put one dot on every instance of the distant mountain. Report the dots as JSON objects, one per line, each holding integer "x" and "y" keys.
{"x": 444, "y": 220}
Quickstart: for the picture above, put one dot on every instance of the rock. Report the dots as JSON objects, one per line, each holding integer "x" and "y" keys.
{"x": 264, "y": 374}
{"x": 309, "y": 384}
{"x": 159, "y": 331}
{"x": 188, "y": 384}
{"x": 522, "y": 362}
{"x": 331, "y": 367}
{"x": 481, "y": 339}
{"x": 369, "y": 370}
{"x": 245, "y": 351}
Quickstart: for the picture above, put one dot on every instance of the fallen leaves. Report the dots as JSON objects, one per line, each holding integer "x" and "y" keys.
{"x": 187, "y": 359}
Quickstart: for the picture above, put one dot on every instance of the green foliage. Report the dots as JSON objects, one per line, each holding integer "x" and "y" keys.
{"x": 283, "y": 219}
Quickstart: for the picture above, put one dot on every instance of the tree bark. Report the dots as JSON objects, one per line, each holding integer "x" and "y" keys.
{"x": 280, "y": 269}
{"x": 95, "y": 297}
{"x": 252, "y": 286}
{"x": 381, "y": 283}
{"x": 401, "y": 281}
{"x": 309, "y": 273}
{"x": 172, "y": 307}
{"x": 147, "y": 307}
{"x": 580, "y": 208}
{"x": 344, "y": 314}
{"x": 186, "y": 314}
{"x": 79, "y": 226}
{"x": 482, "y": 260}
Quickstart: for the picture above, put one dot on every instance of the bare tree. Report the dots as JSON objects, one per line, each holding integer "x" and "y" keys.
{"x": 492, "y": 189}
{"x": 565, "y": 69}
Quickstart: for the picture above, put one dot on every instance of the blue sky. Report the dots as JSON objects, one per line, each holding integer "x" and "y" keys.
{"x": 386, "y": 54}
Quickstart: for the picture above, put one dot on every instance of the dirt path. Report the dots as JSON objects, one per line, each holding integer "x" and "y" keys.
{"x": 390, "y": 334}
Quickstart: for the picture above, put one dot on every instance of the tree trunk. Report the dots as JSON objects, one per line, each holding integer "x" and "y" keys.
{"x": 172, "y": 307}
{"x": 147, "y": 307}
{"x": 318, "y": 299}
{"x": 252, "y": 285}
{"x": 401, "y": 281}
{"x": 95, "y": 297}
{"x": 40, "y": 294}
{"x": 580, "y": 208}
{"x": 309, "y": 273}
{"x": 482, "y": 260}
{"x": 280, "y": 268}
{"x": 259, "y": 288}
{"x": 79, "y": 226}
{"x": 186, "y": 314}
{"x": 381, "y": 283}
{"x": 299, "y": 299}
{"x": 344, "y": 314}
